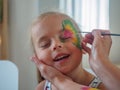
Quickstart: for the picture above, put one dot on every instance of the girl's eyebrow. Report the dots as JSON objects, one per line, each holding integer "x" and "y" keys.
{"x": 42, "y": 38}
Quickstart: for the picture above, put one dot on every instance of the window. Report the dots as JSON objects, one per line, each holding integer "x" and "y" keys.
{"x": 89, "y": 14}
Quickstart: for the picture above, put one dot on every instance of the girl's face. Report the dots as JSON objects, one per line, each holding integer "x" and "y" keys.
{"x": 56, "y": 44}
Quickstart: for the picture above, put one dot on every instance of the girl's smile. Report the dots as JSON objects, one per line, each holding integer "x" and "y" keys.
{"x": 61, "y": 57}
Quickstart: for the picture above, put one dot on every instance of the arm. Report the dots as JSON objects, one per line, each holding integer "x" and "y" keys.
{"x": 99, "y": 59}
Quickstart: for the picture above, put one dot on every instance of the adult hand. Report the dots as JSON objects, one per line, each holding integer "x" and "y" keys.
{"x": 100, "y": 46}
{"x": 60, "y": 81}
{"x": 99, "y": 58}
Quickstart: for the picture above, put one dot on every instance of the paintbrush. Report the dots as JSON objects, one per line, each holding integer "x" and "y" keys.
{"x": 112, "y": 34}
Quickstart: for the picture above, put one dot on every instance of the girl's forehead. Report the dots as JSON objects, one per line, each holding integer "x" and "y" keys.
{"x": 47, "y": 25}
{"x": 50, "y": 23}
{"x": 53, "y": 20}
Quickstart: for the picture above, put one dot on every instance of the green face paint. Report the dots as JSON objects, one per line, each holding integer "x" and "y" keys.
{"x": 70, "y": 31}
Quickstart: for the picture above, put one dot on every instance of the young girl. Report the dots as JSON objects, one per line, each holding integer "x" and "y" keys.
{"x": 57, "y": 43}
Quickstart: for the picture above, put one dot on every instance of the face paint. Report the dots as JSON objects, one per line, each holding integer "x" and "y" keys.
{"x": 71, "y": 32}
{"x": 88, "y": 88}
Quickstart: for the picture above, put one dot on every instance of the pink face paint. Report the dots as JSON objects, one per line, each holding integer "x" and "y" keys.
{"x": 67, "y": 34}
{"x": 70, "y": 31}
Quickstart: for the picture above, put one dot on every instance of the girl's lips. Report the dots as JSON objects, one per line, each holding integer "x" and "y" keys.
{"x": 60, "y": 57}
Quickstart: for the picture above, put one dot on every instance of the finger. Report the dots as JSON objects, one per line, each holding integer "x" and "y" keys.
{"x": 101, "y": 32}
{"x": 96, "y": 33}
{"x": 35, "y": 60}
{"x": 107, "y": 37}
{"x": 44, "y": 69}
{"x": 89, "y": 35}
{"x": 31, "y": 58}
{"x": 97, "y": 36}
{"x": 87, "y": 49}
{"x": 41, "y": 66}
{"x": 87, "y": 40}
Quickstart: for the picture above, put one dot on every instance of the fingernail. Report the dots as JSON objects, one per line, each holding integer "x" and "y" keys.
{"x": 31, "y": 58}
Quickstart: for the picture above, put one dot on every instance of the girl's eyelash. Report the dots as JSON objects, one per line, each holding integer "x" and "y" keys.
{"x": 64, "y": 38}
{"x": 45, "y": 44}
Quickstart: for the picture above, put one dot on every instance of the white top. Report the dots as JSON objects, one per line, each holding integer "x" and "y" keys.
{"x": 94, "y": 84}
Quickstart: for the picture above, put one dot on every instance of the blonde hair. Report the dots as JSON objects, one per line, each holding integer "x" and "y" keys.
{"x": 45, "y": 14}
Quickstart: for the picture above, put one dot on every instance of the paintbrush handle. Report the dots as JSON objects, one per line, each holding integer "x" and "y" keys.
{"x": 112, "y": 34}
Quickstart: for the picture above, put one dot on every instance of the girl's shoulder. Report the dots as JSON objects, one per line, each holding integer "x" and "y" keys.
{"x": 41, "y": 85}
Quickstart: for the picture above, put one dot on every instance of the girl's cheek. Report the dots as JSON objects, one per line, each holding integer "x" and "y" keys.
{"x": 46, "y": 57}
{"x": 41, "y": 55}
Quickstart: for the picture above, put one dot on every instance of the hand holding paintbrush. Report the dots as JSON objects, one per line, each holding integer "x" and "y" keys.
{"x": 102, "y": 33}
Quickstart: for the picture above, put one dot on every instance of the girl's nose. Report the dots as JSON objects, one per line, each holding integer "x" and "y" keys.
{"x": 57, "y": 45}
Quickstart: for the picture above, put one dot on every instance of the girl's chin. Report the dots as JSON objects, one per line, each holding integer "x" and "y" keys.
{"x": 66, "y": 72}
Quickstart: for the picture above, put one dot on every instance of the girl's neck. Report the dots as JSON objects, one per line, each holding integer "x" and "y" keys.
{"x": 81, "y": 76}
